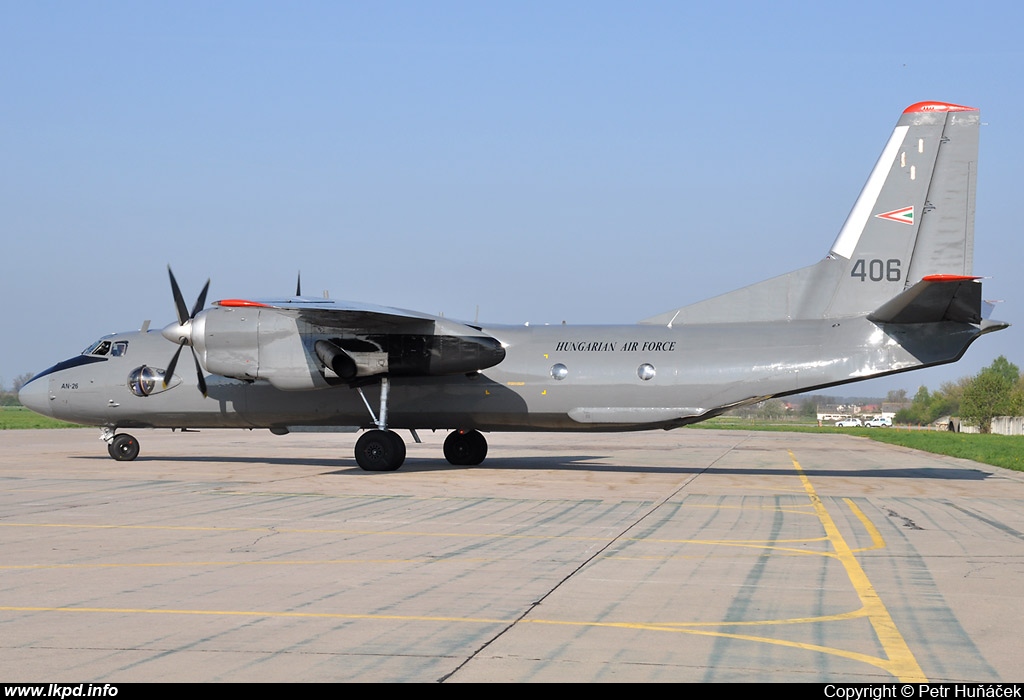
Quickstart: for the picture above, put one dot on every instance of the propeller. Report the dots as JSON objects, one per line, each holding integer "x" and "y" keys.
{"x": 181, "y": 333}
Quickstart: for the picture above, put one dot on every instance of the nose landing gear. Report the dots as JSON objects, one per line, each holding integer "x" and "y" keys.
{"x": 123, "y": 447}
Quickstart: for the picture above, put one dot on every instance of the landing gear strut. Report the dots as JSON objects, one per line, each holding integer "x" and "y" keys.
{"x": 380, "y": 450}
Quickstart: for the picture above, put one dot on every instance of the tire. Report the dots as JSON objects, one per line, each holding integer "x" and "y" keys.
{"x": 123, "y": 448}
{"x": 380, "y": 451}
{"x": 465, "y": 448}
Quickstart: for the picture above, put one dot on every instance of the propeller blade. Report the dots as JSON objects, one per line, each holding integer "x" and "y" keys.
{"x": 179, "y": 302}
{"x": 169, "y": 372}
{"x": 298, "y": 284}
{"x": 199, "y": 373}
{"x": 201, "y": 301}
{"x": 184, "y": 317}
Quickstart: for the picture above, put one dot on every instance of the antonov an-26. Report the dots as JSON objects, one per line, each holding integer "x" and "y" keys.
{"x": 895, "y": 293}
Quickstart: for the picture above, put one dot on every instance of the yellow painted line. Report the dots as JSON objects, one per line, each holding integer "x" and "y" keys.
{"x": 658, "y": 626}
{"x": 676, "y": 628}
{"x": 900, "y": 660}
{"x": 306, "y": 531}
{"x": 303, "y": 562}
{"x": 835, "y": 617}
{"x": 797, "y": 508}
{"x": 842, "y": 653}
{"x": 259, "y": 613}
{"x": 394, "y": 533}
{"x": 876, "y": 537}
{"x": 741, "y": 543}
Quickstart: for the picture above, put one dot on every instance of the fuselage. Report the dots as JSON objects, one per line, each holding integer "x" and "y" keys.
{"x": 561, "y": 377}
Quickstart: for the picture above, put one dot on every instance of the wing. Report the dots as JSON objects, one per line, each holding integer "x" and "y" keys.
{"x": 303, "y": 343}
{"x": 337, "y": 313}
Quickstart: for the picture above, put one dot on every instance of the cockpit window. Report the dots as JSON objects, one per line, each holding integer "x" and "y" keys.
{"x": 100, "y": 348}
{"x": 105, "y": 347}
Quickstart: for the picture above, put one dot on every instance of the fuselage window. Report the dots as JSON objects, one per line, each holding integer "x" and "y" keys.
{"x": 119, "y": 349}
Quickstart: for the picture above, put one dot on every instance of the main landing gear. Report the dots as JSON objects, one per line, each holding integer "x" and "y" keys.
{"x": 380, "y": 451}
{"x": 383, "y": 450}
{"x": 465, "y": 448}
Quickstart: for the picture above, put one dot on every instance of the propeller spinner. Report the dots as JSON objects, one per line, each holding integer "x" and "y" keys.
{"x": 181, "y": 332}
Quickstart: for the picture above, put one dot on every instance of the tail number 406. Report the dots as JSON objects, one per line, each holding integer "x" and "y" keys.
{"x": 877, "y": 270}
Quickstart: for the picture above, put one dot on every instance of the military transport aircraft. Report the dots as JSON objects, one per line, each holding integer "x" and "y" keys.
{"x": 894, "y": 293}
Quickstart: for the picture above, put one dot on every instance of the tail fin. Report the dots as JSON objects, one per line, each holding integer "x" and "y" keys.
{"x": 913, "y": 219}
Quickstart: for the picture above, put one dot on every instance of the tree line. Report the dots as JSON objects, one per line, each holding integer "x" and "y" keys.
{"x": 9, "y": 396}
{"x": 997, "y": 390}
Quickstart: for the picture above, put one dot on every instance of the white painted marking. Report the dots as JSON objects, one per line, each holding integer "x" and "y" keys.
{"x": 849, "y": 236}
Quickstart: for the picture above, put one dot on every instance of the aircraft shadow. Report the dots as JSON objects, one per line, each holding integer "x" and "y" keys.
{"x": 579, "y": 463}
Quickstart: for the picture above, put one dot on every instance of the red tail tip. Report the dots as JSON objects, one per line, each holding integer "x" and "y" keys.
{"x": 938, "y": 107}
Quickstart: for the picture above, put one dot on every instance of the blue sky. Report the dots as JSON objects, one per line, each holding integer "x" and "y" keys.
{"x": 589, "y": 162}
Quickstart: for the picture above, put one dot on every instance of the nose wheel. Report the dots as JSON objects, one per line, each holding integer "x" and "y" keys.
{"x": 123, "y": 447}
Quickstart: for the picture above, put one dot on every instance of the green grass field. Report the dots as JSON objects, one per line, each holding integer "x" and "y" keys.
{"x": 20, "y": 418}
{"x": 1005, "y": 451}
{"x": 999, "y": 450}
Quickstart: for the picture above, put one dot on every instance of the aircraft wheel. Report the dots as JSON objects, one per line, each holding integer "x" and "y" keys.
{"x": 465, "y": 448}
{"x": 123, "y": 448}
{"x": 380, "y": 451}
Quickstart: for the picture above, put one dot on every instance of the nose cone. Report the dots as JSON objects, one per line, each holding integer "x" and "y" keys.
{"x": 36, "y": 396}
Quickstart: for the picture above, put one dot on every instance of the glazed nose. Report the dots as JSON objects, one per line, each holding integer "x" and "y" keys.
{"x": 36, "y": 396}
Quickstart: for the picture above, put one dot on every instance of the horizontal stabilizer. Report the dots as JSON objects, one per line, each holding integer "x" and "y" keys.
{"x": 934, "y": 299}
